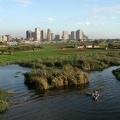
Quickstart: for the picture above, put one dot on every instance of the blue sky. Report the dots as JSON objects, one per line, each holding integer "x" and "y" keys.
{"x": 97, "y": 18}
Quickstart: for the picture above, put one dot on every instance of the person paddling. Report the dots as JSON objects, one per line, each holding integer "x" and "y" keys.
{"x": 95, "y": 95}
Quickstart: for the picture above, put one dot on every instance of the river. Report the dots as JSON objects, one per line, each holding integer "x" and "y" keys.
{"x": 66, "y": 104}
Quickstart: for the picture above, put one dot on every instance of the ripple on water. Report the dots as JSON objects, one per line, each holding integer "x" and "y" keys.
{"x": 66, "y": 104}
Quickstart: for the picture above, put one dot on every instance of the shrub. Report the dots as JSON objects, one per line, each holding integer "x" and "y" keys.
{"x": 116, "y": 73}
{"x": 4, "y": 101}
{"x": 3, "y": 106}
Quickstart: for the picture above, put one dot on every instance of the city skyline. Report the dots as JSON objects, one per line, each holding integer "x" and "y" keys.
{"x": 97, "y": 18}
{"x": 41, "y": 35}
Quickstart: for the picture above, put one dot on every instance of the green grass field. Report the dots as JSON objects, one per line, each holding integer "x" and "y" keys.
{"x": 47, "y": 51}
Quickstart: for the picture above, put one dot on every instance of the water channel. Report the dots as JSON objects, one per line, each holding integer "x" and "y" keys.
{"x": 66, "y": 104}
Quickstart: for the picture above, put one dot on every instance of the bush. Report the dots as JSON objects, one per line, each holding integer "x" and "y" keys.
{"x": 116, "y": 73}
{"x": 4, "y": 101}
{"x": 3, "y": 106}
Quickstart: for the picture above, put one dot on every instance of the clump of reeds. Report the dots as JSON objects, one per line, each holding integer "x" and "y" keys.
{"x": 3, "y": 106}
{"x": 116, "y": 73}
{"x": 45, "y": 79}
{"x": 4, "y": 101}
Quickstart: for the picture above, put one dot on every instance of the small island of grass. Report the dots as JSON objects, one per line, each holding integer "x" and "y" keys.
{"x": 54, "y": 78}
{"x": 116, "y": 73}
{"x": 4, "y": 100}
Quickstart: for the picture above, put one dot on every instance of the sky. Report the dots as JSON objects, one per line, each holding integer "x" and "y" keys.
{"x": 99, "y": 19}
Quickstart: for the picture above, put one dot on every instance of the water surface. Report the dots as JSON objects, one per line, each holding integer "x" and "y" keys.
{"x": 62, "y": 104}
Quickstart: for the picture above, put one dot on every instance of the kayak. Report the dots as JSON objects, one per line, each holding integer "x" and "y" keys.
{"x": 95, "y": 97}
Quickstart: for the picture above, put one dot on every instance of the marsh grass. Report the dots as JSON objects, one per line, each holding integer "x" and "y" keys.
{"x": 86, "y": 62}
{"x": 116, "y": 73}
{"x": 4, "y": 99}
{"x": 48, "y": 78}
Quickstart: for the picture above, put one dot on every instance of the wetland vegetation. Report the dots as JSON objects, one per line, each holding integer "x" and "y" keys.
{"x": 4, "y": 100}
{"x": 56, "y": 67}
{"x": 117, "y": 73}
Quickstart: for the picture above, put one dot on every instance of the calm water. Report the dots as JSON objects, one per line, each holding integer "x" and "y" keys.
{"x": 62, "y": 104}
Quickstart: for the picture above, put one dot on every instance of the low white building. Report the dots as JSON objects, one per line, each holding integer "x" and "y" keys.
{"x": 3, "y": 38}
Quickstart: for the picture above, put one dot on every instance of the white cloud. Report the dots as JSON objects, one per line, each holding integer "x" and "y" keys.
{"x": 93, "y": 24}
{"x": 51, "y": 20}
{"x": 87, "y": 23}
{"x": 83, "y": 23}
{"x": 111, "y": 9}
{"x": 96, "y": 16}
{"x": 24, "y": 3}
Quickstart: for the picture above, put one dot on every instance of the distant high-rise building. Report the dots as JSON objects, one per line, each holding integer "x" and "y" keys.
{"x": 65, "y": 35}
{"x": 79, "y": 35}
{"x": 29, "y": 35}
{"x": 57, "y": 37}
{"x": 8, "y": 37}
{"x": 73, "y": 35}
{"x": 33, "y": 36}
{"x": 37, "y": 34}
{"x": 43, "y": 35}
{"x": 69, "y": 36}
{"x": 49, "y": 34}
{"x": 52, "y": 36}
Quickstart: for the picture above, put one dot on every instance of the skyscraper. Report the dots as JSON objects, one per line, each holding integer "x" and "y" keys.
{"x": 52, "y": 36}
{"x": 57, "y": 37}
{"x": 37, "y": 34}
{"x": 79, "y": 35}
{"x": 49, "y": 34}
{"x": 29, "y": 35}
{"x": 65, "y": 35}
{"x": 73, "y": 35}
{"x": 43, "y": 35}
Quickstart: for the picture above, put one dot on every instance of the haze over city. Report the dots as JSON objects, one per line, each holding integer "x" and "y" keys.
{"x": 97, "y": 18}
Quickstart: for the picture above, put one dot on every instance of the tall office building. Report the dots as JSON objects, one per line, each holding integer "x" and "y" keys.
{"x": 79, "y": 35}
{"x": 69, "y": 36}
{"x": 33, "y": 35}
{"x": 57, "y": 37}
{"x": 73, "y": 35}
{"x": 52, "y": 36}
{"x": 65, "y": 35}
{"x": 8, "y": 37}
{"x": 29, "y": 35}
{"x": 49, "y": 34}
{"x": 43, "y": 35}
{"x": 37, "y": 34}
